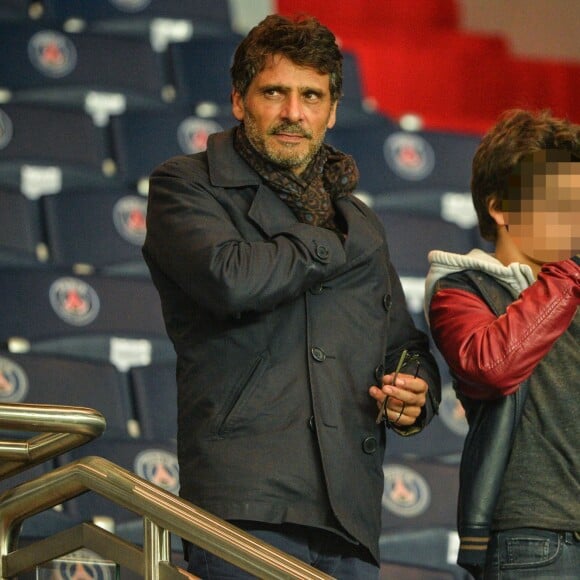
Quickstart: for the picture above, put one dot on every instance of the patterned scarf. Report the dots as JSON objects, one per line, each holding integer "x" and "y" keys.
{"x": 310, "y": 195}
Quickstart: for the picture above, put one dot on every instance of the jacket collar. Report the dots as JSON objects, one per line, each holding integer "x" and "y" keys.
{"x": 268, "y": 211}
{"x": 226, "y": 167}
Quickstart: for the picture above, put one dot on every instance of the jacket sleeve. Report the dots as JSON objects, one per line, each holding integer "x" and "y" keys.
{"x": 492, "y": 356}
{"x": 192, "y": 239}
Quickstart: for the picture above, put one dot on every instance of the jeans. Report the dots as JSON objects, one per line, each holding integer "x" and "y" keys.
{"x": 323, "y": 550}
{"x": 533, "y": 553}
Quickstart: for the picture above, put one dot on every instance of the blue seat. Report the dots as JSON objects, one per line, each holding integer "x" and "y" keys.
{"x": 102, "y": 228}
{"x": 207, "y": 17}
{"x": 57, "y": 311}
{"x": 14, "y": 9}
{"x": 102, "y": 73}
{"x": 201, "y": 69}
{"x": 412, "y": 235}
{"x": 21, "y": 234}
{"x": 58, "y": 380}
{"x": 143, "y": 139}
{"x": 393, "y": 161}
{"x": 44, "y": 149}
{"x": 419, "y": 494}
{"x": 154, "y": 390}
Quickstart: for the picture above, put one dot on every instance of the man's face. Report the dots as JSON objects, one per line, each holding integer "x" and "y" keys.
{"x": 286, "y": 111}
{"x": 546, "y": 227}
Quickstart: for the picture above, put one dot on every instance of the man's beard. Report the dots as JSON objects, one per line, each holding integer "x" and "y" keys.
{"x": 285, "y": 157}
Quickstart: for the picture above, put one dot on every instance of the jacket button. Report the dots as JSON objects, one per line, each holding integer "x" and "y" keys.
{"x": 387, "y": 301}
{"x": 379, "y": 374}
{"x": 312, "y": 424}
{"x": 322, "y": 252}
{"x": 369, "y": 445}
{"x": 318, "y": 354}
{"x": 318, "y": 289}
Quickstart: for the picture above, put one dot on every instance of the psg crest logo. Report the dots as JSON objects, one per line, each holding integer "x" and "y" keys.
{"x": 74, "y": 301}
{"x": 13, "y": 382}
{"x": 52, "y": 53}
{"x": 129, "y": 218}
{"x": 192, "y": 134}
{"x": 410, "y": 156}
{"x": 82, "y": 564}
{"x": 406, "y": 492}
{"x": 6, "y": 129}
{"x": 130, "y": 5}
{"x": 159, "y": 467}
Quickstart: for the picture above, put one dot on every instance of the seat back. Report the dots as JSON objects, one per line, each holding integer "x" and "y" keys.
{"x": 102, "y": 228}
{"x": 107, "y": 318}
{"x": 59, "y": 380}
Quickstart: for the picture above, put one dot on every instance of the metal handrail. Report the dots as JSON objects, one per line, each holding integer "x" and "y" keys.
{"x": 62, "y": 428}
{"x": 163, "y": 513}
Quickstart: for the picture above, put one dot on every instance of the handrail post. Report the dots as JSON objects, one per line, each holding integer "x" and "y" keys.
{"x": 157, "y": 548}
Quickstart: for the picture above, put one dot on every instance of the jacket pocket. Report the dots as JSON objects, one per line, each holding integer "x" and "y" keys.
{"x": 237, "y": 409}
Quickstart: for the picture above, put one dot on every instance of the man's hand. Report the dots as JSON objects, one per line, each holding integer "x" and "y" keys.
{"x": 404, "y": 400}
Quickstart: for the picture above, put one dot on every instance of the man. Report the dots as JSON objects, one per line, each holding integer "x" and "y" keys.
{"x": 508, "y": 326}
{"x": 285, "y": 312}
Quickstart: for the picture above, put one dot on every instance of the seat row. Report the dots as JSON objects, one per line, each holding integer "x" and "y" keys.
{"x": 415, "y": 58}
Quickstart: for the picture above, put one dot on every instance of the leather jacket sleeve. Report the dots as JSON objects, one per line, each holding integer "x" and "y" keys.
{"x": 491, "y": 356}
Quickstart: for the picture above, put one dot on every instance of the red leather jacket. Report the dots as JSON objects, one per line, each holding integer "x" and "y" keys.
{"x": 491, "y": 356}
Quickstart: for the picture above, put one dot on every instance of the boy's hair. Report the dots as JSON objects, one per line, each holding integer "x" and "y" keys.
{"x": 519, "y": 137}
{"x": 303, "y": 40}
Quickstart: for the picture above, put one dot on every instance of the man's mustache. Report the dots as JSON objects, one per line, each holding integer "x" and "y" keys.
{"x": 290, "y": 129}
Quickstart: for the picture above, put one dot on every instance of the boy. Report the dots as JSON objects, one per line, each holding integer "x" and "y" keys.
{"x": 508, "y": 327}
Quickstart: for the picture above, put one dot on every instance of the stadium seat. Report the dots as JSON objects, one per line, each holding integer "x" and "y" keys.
{"x": 51, "y": 380}
{"x": 419, "y": 494}
{"x": 14, "y": 9}
{"x": 412, "y": 236}
{"x": 390, "y": 14}
{"x": 56, "y": 311}
{"x": 21, "y": 235}
{"x": 102, "y": 73}
{"x": 394, "y": 161}
{"x": 43, "y": 150}
{"x": 104, "y": 229}
{"x": 142, "y": 139}
{"x": 201, "y": 69}
{"x": 154, "y": 390}
{"x": 142, "y": 17}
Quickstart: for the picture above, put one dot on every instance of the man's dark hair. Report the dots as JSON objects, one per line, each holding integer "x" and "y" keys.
{"x": 518, "y": 137}
{"x": 303, "y": 40}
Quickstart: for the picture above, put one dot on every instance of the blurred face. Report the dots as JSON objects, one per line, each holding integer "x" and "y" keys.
{"x": 286, "y": 112}
{"x": 546, "y": 225}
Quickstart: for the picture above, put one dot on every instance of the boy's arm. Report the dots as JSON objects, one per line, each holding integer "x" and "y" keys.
{"x": 492, "y": 356}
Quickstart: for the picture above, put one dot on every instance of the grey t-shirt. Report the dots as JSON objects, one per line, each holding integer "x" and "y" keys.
{"x": 541, "y": 486}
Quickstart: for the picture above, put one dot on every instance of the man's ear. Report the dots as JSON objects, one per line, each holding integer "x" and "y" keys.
{"x": 495, "y": 211}
{"x": 238, "y": 108}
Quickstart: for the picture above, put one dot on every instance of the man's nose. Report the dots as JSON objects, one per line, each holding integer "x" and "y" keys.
{"x": 292, "y": 109}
